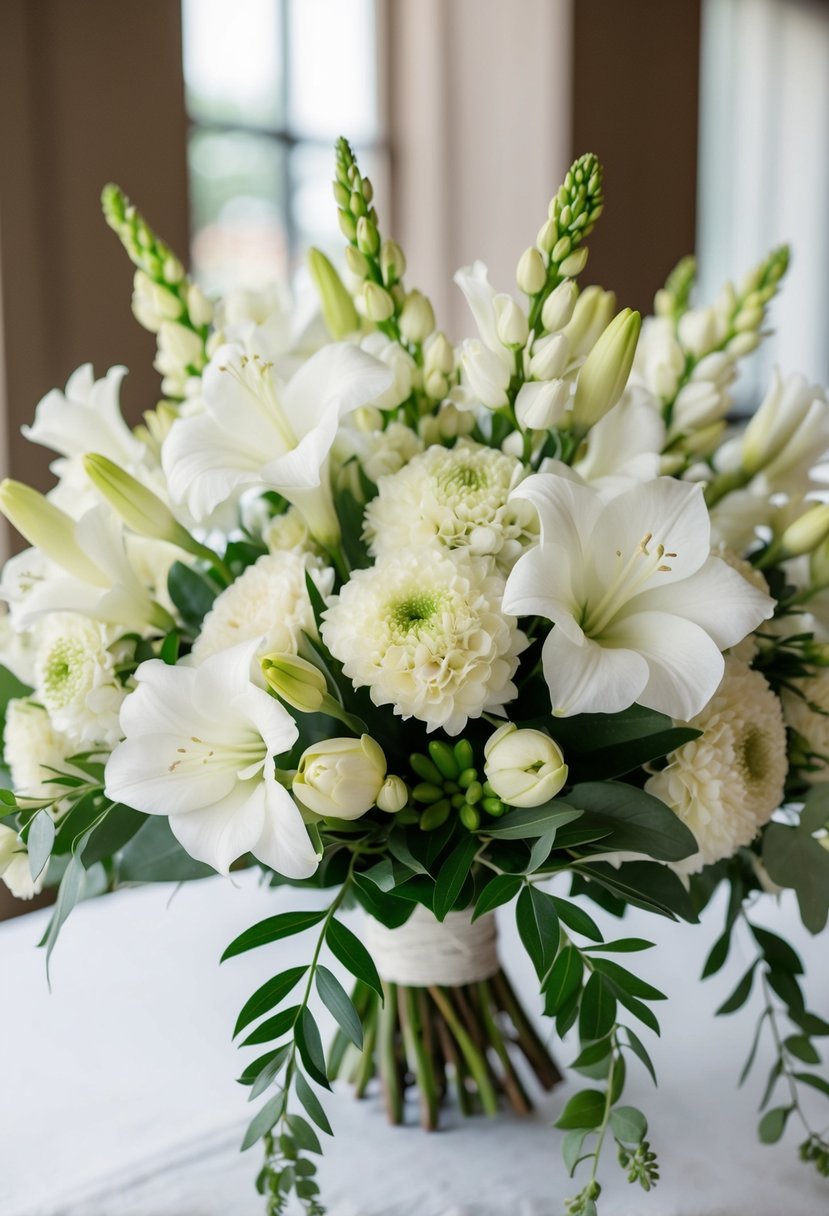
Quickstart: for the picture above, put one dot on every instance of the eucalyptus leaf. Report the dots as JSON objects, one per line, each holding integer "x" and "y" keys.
{"x": 795, "y": 859}
{"x": 584, "y": 1110}
{"x": 262, "y": 1122}
{"x": 339, "y": 1004}
{"x": 273, "y": 929}
{"x": 39, "y": 842}
{"x": 527, "y": 823}
{"x": 538, "y": 927}
{"x": 312, "y": 1104}
{"x": 352, "y": 954}
{"x": 304, "y": 1135}
{"x": 628, "y": 1124}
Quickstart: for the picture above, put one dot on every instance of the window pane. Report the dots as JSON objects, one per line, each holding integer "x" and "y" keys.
{"x": 312, "y": 203}
{"x": 333, "y": 69}
{"x": 237, "y": 186}
{"x": 233, "y": 60}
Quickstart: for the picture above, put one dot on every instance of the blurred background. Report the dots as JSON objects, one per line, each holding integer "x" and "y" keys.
{"x": 218, "y": 118}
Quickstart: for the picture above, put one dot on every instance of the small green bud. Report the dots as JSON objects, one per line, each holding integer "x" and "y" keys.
{"x": 493, "y": 807}
{"x": 140, "y": 509}
{"x": 368, "y": 238}
{"x": 470, "y": 817}
{"x": 296, "y": 681}
{"x": 367, "y": 189}
{"x": 392, "y": 262}
{"x": 426, "y": 792}
{"x": 444, "y": 759}
{"x": 464, "y": 754}
{"x": 575, "y": 263}
{"x": 806, "y": 533}
{"x": 357, "y": 204}
{"x": 378, "y": 304}
{"x": 423, "y": 767}
{"x": 561, "y": 249}
{"x": 435, "y": 815}
{"x": 347, "y": 225}
{"x": 474, "y": 792}
{"x": 337, "y": 306}
{"x": 356, "y": 262}
{"x": 467, "y": 777}
{"x": 605, "y": 371}
{"x": 547, "y": 236}
{"x": 458, "y": 800}
{"x": 531, "y": 273}
{"x": 342, "y": 197}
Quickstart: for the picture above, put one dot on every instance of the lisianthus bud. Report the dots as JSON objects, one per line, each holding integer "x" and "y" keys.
{"x": 549, "y": 357}
{"x": 559, "y": 305}
{"x": 591, "y": 316}
{"x": 524, "y": 767}
{"x": 806, "y": 533}
{"x": 541, "y": 404}
{"x": 341, "y": 778}
{"x": 417, "y": 320}
{"x": 337, "y": 306}
{"x": 378, "y": 304}
{"x": 487, "y": 376}
{"x": 47, "y": 528}
{"x": 392, "y": 263}
{"x": 531, "y": 273}
{"x": 140, "y": 509}
{"x": 296, "y": 681}
{"x": 393, "y": 796}
{"x": 510, "y": 322}
{"x": 606, "y": 369}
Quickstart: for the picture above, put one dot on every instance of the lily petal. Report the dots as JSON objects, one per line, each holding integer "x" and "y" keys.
{"x": 660, "y": 512}
{"x": 684, "y": 664}
{"x": 284, "y": 843}
{"x": 221, "y": 833}
{"x": 589, "y": 677}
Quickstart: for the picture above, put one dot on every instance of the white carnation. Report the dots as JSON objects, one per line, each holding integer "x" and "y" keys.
{"x": 14, "y": 866}
{"x": 34, "y": 749}
{"x": 269, "y": 601}
{"x": 807, "y": 712}
{"x": 457, "y": 497}
{"x": 728, "y": 782}
{"x": 424, "y": 631}
{"x": 76, "y": 679}
{"x": 379, "y": 452}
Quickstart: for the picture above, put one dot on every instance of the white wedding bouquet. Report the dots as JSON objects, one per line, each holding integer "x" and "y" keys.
{"x": 425, "y": 626}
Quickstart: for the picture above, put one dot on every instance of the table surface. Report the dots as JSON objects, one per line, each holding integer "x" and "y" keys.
{"x": 117, "y": 1090}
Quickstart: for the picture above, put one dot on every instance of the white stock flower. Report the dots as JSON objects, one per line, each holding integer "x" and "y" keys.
{"x": 806, "y": 709}
{"x": 524, "y": 767}
{"x": 488, "y": 364}
{"x": 727, "y": 783}
{"x": 76, "y": 679}
{"x": 424, "y": 631}
{"x": 256, "y": 432}
{"x": 200, "y": 747}
{"x": 34, "y": 747}
{"x": 399, "y": 362}
{"x": 340, "y": 778}
{"x": 268, "y": 603}
{"x": 14, "y": 866}
{"x": 456, "y": 496}
{"x": 660, "y": 360}
{"x": 379, "y": 451}
{"x": 640, "y": 607}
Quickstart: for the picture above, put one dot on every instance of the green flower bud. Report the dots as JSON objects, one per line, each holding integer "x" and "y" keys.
{"x": 417, "y": 319}
{"x": 435, "y": 816}
{"x": 47, "y": 528}
{"x": 342, "y": 196}
{"x": 423, "y": 767}
{"x": 295, "y": 681}
{"x": 444, "y": 759}
{"x": 547, "y": 236}
{"x": 426, "y": 792}
{"x": 606, "y": 369}
{"x": 806, "y": 533}
{"x": 356, "y": 262}
{"x": 392, "y": 263}
{"x": 575, "y": 263}
{"x": 338, "y": 309}
{"x": 368, "y": 238}
{"x": 464, "y": 754}
{"x": 140, "y": 509}
{"x": 348, "y": 227}
{"x": 470, "y": 817}
{"x": 592, "y": 314}
{"x": 558, "y": 307}
{"x": 531, "y": 273}
{"x": 378, "y": 303}
{"x": 393, "y": 795}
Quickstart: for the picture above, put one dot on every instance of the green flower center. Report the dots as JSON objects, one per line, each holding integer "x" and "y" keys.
{"x": 414, "y": 611}
{"x": 64, "y": 674}
{"x": 462, "y": 479}
{"x": 753, "y": 756}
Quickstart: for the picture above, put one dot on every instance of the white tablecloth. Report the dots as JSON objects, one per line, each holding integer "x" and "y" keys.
{"x": 117, "y": 1091}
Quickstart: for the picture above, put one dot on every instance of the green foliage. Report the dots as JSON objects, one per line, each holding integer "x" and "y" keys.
{"x": 192, "y": 593}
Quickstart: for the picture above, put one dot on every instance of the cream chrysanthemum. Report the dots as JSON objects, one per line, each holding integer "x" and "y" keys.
{"x": 76, "y": 679}
{"x": 269, "y": 601}
{"x": 34, "y": 749}
{"x": 747, "y": 649}
{"x": 807, "y": 712}
{"x": 424, "y": 631}
{"x": 728, "y": 782}
{"x": 457, "y": 497}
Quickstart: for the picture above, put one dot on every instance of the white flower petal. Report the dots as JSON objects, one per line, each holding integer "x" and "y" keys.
{"x": 539, "y": 585}
{"x": 204, "y": 466}
{"x": 666, "y": 512}
{"x": 701, "y": 598}
{"x": 154, "y": 773}
{"x": 221, "y": 833}
{"x": 284, "y": 843}
{"x": 684, "y": 663}
{"x": 480, "y": 296}
{"x": 590, "y": 678}
{"x": 336, "y": 380}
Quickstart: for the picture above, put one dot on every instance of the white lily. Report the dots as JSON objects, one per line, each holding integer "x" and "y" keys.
{"x": 200, "y": 746}
{"x": 640, "y": 607}
{"x": 257, "y": 432}
{"x": 624, "y": 447}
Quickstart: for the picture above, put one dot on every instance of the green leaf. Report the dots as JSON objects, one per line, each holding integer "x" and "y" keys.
{"x": 154, "y": 855}
{"x": 268, "y": 1074}
{"x": 192, "y": 593}
{"x": 317, "y": 602}
{"x": 740, "y": 994}
{"x": 773, "y": 1124}
{"x": 717, "y": 957}
{"x": 119, "y": 826}
{"x": 272, "y": 992}
{"x": 577, "y": 919}
{"x": 304, "y": 1135}
{"x": 628, "y": 1124}
{"x": 622, "y": 945}
{"x": 815, "y": 813}
{"x": 526, "y": 823}
{"x": 452, "y": 875}
{"x": 584, "y": 1110}
{"x": 810, "y": 1023}
{"x": 623, "y": 758}
{"x": 538, "y": 927}
{"x": 352, "y": 954}
{"x": 779, "y": 954}
{"x": 499, "y": 890}
{"x": 640, "y": 1011}
{"x": 809, "y": 1078}
{"x": 571, "y": 1146}
{"x": 40, "y": 838}
{"x": 755, "y": 1043}
{"x": 801, "y": 1047}
{"x": 598, "y": 1009}
{"x": 638, "y": 822}
{"x": 273, "y": 929}
{"x": 593, "y": 1053}
{"x": 625, "y": 980}
{"x": 339, "y": 1004}
{"x": 563, "y": 980}
{"x": 641, "y": 1052}
{"x": 387, "y": 908}
{"x": 256, "y": 1067}
{"x": 645, "y": 884}
{"x": 795, "y": 859}
{"x": 312, "y": 1104}
{"x": 70, "y": 891}
{"x": 273, "y": 1027}
{"x": 309, "y": 1046}
{"x": 262, "y": 1122}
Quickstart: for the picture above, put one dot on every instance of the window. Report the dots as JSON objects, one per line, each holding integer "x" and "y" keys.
{"x": 269, "y": 86}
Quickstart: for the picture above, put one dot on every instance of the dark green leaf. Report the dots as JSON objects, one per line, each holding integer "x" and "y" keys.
{"x": 639, "y": 1010}
{"x": 626, "y": 981}
{"x": 538, "y": 926}
{"x": 645, "y": 885}
{"x": 273, "y": 929}
{"x": 268, "y": 996}
{"x": 563, "y": 980}
{"x": 809, "y": 1078}
{"x": 779, "y": 954}
{"x": 801, "y": 1047}
{"x": 382, "y": 875}
{"x": 593, "y": 1053}
{"x": 577, "y": 919}
{"x": 192, "y": 593}
{"x": 717, "y": 957}
{"x": 120, "y": 824}
{"x": 273, "y": 1027}
{"x": 584, "y": 1110}
{"x": 388, "y": 909}
{"x": 168, "y": 651}
{"x": 598, "y": 1009}
{"x": 353, "y": 955}
{"x": 640, "y": 1051}
{"x": 755, "y": 1043}
{"x": 623, "y": 758}
{"x": 526, "y": 823}
{"x": 452, "y": 875}
{"x": 256, "y": 1067}
{"x": 787, "y": 988}
{"x": 628, "y": 1124}
{"x": 571, "y": 1147}
{"x": 810, "y": 1023}
{"x": 70, "y": 891}
{"x": 312, "y": 1104}
{"x": 740, "y": 994}
{"x": 154, "y": 855}
{"x": 773, "y": 1124}
{"x": 262, "y": 1122}
{"x": 309, "y": 1046}
{"x": 638, "y": 822}
{"x": 815, "y": 813}
{"x": 775, "y": 1073}
{"x": 795, "y": 859}
{"x": 339, "y": 1004}
{"x": 304, "y": 1135}
{"x": 499, "y": 890}
{"x": 622, "y": 945}
{"x": 40, "y": 838}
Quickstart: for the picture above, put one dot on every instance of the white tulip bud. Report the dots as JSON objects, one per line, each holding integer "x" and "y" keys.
{"x": 524, "y": 767}
{"x": 541, "y": 404}
{"x": 378, "y": 304}
{"x": 296, "y": 681}
{"x": 575, "y": 263}
{"x": 559, "y": 305}
{"x": 549, "y": 358}
{"x": 393, "y": 795}
{"x": 488, "y": 376}
{"x": 605, "y": 371}
{"x": 510, "y": 322}
{"x": 531, "y": 273}
{"x": 417, "y": 320}
{"x": 341, "y": 778}
{"x": 806, "y": 533}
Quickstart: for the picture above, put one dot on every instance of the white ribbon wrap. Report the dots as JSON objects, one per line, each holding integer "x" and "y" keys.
{"x": 425, "y": 951}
